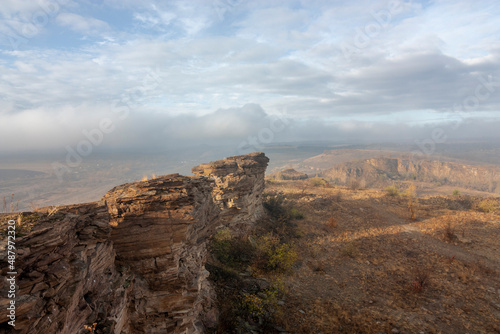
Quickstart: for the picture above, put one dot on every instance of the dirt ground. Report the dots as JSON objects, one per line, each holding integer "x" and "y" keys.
{"x": 366, "y": 267}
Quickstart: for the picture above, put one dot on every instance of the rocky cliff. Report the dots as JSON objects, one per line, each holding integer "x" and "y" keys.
{"x": 134, "y": 261}
{"x": 377, "y": 171}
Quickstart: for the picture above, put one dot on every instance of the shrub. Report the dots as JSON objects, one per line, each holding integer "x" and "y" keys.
{"x": 332, "y": 222}
{"x": 456, "y": 192}
{"x": 296, "y": 214}
{"x": 262, "y": 306}
{"x": 420, "y": 279}
{"x": 449, "y": 233}
{"x": 392, "y": 191}
{"x": 350, "y": 250}
{"x": 274, "y": 204}
{"x": 275, "y": 255}
{"x": 318, "y": 182}
{"x": 230, "y": 251}
{"x": 354, "y": 184}
{"x": 488, "y": 205}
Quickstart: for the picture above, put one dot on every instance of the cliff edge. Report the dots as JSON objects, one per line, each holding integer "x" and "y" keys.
{"x": 132, "y": 262}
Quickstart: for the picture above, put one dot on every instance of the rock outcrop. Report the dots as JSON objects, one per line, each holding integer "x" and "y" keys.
{"x": 239, "y": 184}
{"x": 134, "y": 261}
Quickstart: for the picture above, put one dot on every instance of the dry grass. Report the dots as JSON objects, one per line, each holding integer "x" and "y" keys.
{"x": 368, "y": 267}
{"x": 489, "y": 205}
{"x": 12, "y": 206}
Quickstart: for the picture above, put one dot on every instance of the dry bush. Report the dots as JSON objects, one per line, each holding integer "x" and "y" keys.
{"x": 13, "y": 207}
{"x": 318, "y": 182}
{"x": 350, "y": 250}
{"x": 449, "y": 233}
{"x": 332, "y": 222}
{"x": 488, "y": 205}
{"x": 420, "y": 279}
{"x": 392, "y": 191}
{"x": 338, "y": 197}
{"x": 318, "y": 266}
{"x": 411, "y": 194}
{"x": 354, "y": 184}
{"x": 34, "y": 207}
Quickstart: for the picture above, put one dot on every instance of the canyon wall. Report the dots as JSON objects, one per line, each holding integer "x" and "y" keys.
{"x": 132, "y": 262}
{"x": 378, "y": 170}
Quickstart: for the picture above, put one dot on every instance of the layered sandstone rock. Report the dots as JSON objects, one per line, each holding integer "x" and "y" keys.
{"x": 239, "y": 183}
{"x": 134, "y": 261}
{"x": 67, "y": 276}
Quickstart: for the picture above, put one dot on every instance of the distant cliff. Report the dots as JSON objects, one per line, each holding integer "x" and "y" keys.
{"x": 380, "y": 171}
{"x": 134, "y": 261}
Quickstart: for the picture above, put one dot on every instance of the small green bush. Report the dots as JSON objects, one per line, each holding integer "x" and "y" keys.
{"x": 275, "y": 255}
{"x": 296, "y": 214}
{"x": 230, "y": 251}
{"x": 263, "y": 306}
{"x": 456, "y": 192}
{"x": 392, "y": 191}
{"x": 274, "y": 204}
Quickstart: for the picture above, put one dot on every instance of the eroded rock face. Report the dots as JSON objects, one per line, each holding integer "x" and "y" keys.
{"x": 67, "y": 277}
{"x": 239, "y": 183}
{"x": 372, "y": 171}
{"x": 134, "y": 261}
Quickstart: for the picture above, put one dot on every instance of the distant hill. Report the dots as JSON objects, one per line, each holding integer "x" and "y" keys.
{"x": 382, "y": 171}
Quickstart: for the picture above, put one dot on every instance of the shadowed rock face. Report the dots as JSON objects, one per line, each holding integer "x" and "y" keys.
{"x": 134, "y": 261}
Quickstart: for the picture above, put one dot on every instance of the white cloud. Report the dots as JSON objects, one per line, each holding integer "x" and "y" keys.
{"x": 285, "y": 56}
{"x": 84, "y": 25}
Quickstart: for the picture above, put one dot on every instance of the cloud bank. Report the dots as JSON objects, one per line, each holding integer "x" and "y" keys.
{"x": 221, "y": 71}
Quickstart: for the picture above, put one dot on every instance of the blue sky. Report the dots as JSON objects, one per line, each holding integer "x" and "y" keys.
{"x": 220, "y": 70}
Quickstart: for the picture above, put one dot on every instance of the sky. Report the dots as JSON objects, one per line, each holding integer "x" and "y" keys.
{"x": 117, "y": 74}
